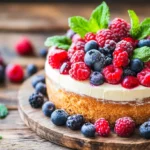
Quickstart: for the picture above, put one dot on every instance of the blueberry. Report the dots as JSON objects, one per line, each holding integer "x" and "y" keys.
{"x": 2, "y": 74}
{"x": 90, "y": 45}
{"x": 136, "y": 65}
{"x": 41, "y": 88}
{"x": 96, "y": 78}
{"x": 128, "y": 72}
{"x": 102, "y": 50}
{"x": 75, "y": 122}
{"x": 48, "y": 108}
{"x": 37, "y": 79}
{"x": 70, "y": 33}
{"x": 31, "y": 69}
{"x": 59, "y": 117}
{"x": 144, "y": 42}
{"x": 108, "y": 60}
{"x": 145, "y": 130}
{"x": 43, "y": 52}
{"x": 88, "y": 130}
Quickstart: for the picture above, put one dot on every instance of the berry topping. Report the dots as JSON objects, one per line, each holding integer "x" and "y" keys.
{"x": 70, "y": 33}
{"x": 88, "y": 130}
{"x": 136, "y": 65}
{"x": 79, "y": 71}
{"x": 90, "y": 45}
{"x": 90, "y": 36}
{"x": 59, "y": 117}
{"x": 130, "y": 82}
{"x": 104, "y": 35}
{"x": 37, "y": 79}
{"x": 43, "y": 52}
{"x": 78, "y": 56}
{"x": 128, "y": 72}
{"x": 112, "y": 74}
{"x": 41, "y": 88}
{"x": 31, "y": 69}
{"x": 144, "y": 77}
{"x": 109, "y": 46}
{"x": 57, "y": 57}
{"x": 96, "y": 78}
{"x": 48, "y": 108}
{"x": 65, "y": 67}
{"x": 108, "y": 60}
{"x": 124, "y": 127}
{"x": 145, "y": 130}
{"x": 133, "y": 42}
{"x": 102, "y": 127}
{"x": 147, "y": 64}
{"x": 144, "y": 42}
{"x": 2, "y": 74}
{"x": 120, "y": 28}
{"x": 75, "y": 122}
{"x": 36, "y": 100}
{"x": 76, "y": 37}
{"x": 15, "y": 73}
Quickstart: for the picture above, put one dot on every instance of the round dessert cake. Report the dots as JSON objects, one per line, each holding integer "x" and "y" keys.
{"x": 100, "y": 74}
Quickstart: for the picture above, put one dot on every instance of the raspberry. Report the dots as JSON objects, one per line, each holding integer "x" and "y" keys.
{"x": 110, "y": 45}
{"x": 79, "y": 71}
{"x": 132, "y": 41}
{"x": 104, "y": 35}
{"x": 65, "y": 67}
{"x": 90, "y": 36}
{"x": 124, "y": 127}
{"x": 121, "y": 60}
{"x": 144, "y": 77}
{"x": 112, "y": 74}
{"x": 56, "y": 58}
{"x": 130, "y": 82}
{"x": 78, "y": 56}
{"x": 76, "y": 38}
{"x": 24, "y": 47}
{"x": 120, "y": 28}
{"x": 15, "y": 73}
{"x": 147, "y": 64}
{"x": 126, "y": 46}
{"x": 102, "y": 127}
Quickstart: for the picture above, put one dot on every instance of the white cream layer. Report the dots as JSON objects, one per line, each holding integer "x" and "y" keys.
{"x": 105, "y": 91}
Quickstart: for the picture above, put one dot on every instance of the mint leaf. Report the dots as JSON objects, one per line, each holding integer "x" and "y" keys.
{"x": 1, "y": 137}
{"x": 79, "y": 25}
{"x": 3, "y": 111}
{"x": 142, "y": 53}
{"x": 135, "y": 24}
{"x": 62, "y": 42}
{"x": 99, "y": 18}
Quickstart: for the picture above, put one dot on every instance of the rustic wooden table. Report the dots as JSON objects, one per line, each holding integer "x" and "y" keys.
{"x": 37, "y": 22}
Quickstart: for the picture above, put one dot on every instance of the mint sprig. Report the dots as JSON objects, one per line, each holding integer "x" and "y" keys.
{"x": 99, "y": 19}
{"x": 62, "y": 42}
{"x": 3, "y": 111}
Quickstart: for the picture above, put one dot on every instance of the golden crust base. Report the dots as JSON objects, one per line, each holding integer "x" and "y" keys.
{"x": 92, "y": 109}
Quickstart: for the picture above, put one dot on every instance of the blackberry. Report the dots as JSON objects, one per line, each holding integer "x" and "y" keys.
{"x": 128, "y": 72}
{"x": 2, "y": 74}
{"x": 75, "y": 122}
{"x": 36, "y": 100}
{"x": 102, "y": 50}
{"x": 108, "y": 60}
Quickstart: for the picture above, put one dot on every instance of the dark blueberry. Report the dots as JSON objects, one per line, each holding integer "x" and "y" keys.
{"x": 41, "y": 88}
{"x": 2, "y": 74}
{"x": 31, "y": 69}
{"x": 102, "y": 50}
{"x": 88, "y": 130}
{"x": 145, "y": 130}
{"x": 43, "y": 52}
{"x": 128, "y": 72}
{"x": 144, "y": 42}
{"x": 136, "y": 65}
{"x": 37, "y": 79}
{"x": 108, "y": 60}
{"x": 48, "y": 108}
{"x": 96, "y": 78}
{"x": 70, "y": 33}
{"x": 75, "y": 122}
{"x": 90, "y": 45}
{"x": 36, "y": 100}
{"x": 59, "y": 117}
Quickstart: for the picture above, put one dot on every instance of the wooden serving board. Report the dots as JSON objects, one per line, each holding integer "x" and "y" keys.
{"x": 35, "y": 119}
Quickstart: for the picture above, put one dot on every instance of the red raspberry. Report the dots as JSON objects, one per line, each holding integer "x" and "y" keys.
{"x": 65, "y": 67}
{"x": 80, "y": 71}
{"x": 132, "y": 41}
{"x": 24, "y": 47}
{"x": 56, "y": 58}
{"x": 78, "y": 56}
{"x": 147, "y": 64}
{"x": 112, "y": 74}
{"x": 124, "y": 127}
{"x": 130, "y": 82}
{"x": 121, "y": 60}
{"x": 15, "y": 73}
{"x": 104, "y": 35}
{"x": 110, "y": 45}
{"x": 102, "y": 127}
{"x": 120, "y": 28}
{"x": 76, "y": 38}
{"x": 90, "y": 36}
{"x": 144, "y": 77}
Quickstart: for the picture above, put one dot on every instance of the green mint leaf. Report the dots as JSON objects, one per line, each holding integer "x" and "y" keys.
{"x": 3, "y": 111}
{"x": 135, "y": 24}
{"x": 99, "y": 18}
{"x": 79, "y": 25}
{"x": 62, "y": 42}
{"x": 1, "y": 137}
{"x": 142, "y": 53}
